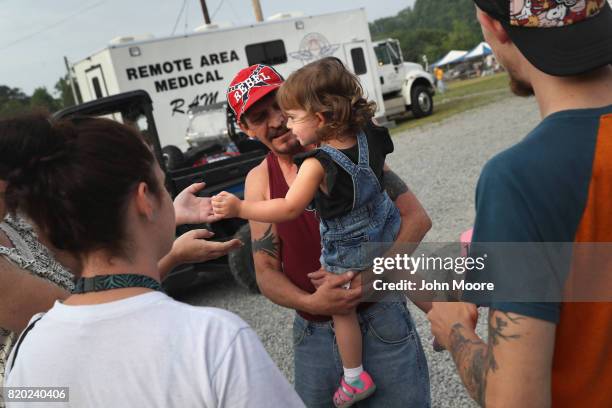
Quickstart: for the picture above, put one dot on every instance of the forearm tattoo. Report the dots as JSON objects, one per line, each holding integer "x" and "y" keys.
{"x": 394, "y": 185}
{"x": 268, "y": 244}
{"x": 475, "y": 359}
{"x": 470, "y": 356}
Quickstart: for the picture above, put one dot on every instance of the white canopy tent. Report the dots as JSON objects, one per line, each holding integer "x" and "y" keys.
{"x": 452, "y": 57}
{"x": 481, "y": 50}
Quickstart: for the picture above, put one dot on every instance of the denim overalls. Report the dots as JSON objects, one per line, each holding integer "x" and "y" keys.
{"x": 373, "y": 218}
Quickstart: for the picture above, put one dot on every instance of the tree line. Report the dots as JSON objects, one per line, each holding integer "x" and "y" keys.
{"x": 431, "y": 28}
{"x": 14, "y": 101}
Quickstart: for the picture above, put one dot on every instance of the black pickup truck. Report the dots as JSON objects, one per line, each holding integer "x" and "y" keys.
{"x": 136, "y": 109}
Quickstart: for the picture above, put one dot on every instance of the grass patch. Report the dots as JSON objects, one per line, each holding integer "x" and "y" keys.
{"x": 474, "y": 86}
{"x": 459, "y": 97}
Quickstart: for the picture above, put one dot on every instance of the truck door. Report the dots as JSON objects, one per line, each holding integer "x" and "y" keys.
{"x": 96, "y": 82}
{"x": 389, "y": 68}
{"x": 357, "y": 61}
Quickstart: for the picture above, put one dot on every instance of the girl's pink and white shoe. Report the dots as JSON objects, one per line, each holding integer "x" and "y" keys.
{"x": 347, "y": 394}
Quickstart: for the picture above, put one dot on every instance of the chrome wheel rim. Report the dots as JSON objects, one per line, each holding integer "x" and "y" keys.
{"x": 424, "y": 101}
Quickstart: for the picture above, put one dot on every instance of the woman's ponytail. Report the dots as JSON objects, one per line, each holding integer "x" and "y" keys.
{"x": 73, "y": 178}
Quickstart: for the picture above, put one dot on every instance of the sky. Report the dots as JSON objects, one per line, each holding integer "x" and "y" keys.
{"x": 35, "y": 35}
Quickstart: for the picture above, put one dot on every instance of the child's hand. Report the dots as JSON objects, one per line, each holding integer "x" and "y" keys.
{"x": 226, "y": 205}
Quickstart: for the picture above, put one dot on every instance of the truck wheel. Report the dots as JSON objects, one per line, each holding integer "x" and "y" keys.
{"x": 422, "y": 101}
{"x": 241, "y": 261}
{"x": 173, "y": 157}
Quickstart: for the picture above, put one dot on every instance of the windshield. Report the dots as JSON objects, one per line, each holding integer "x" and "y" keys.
{"x": 207, "y": 124}
{"x": 396, "y": 52}
{"x": 382, "y": 54}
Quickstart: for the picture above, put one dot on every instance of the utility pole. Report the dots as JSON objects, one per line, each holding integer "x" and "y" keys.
{"x": 258, "y": 13}
{"x": 72, "y": 86}
{"x": 205, "y": 11}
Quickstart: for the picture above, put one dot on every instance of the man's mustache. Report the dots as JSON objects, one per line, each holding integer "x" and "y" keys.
{"x": 273, "y": 134}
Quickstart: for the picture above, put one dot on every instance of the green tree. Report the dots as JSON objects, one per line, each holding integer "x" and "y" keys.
{"x": 7, "y": 94}
{"x": 11, "y": 108}
{"x": 423, "y": 41}
{"x": 64, "y": 91}
{"x": 12, "y": 101}
{"x": 461, "y": 37}
{"x": 41, "y": 98}
{"x": 431, "y": 27}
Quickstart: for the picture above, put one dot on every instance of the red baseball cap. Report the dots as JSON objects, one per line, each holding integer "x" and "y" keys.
{"x": 559, "y": 37}
{"x": 250, "y": 85}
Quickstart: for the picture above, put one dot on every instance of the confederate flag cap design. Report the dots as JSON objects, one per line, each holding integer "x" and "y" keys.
{"x": 250, "y": 85}
{"x": 559, "y": 37}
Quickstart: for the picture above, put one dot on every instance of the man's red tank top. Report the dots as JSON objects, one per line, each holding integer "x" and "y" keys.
{"x": 300, "y": 238}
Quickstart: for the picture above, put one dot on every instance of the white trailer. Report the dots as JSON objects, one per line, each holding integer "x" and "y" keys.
{"x": 185, "y": 71}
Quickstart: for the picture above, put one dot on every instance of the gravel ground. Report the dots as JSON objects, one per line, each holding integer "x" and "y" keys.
{"x": 441, "y": 163}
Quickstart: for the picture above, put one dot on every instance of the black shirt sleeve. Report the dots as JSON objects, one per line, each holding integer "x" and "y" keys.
{"x": 331, "y": 170}
{"x": 379, "y": 136}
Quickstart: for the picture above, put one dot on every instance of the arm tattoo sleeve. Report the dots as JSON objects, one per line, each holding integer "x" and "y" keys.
{"x": 393, "y": 185}
{"x": 268, "y": 244}
{"x": 470, "y": 357}
{"x": 475, "y": 359}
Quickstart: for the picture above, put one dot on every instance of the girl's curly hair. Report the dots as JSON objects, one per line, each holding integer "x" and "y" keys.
{"x": 327, "y": 87}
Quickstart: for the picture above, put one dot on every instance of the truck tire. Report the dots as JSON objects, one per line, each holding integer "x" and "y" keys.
{"x": 422, "y": 101}
{"x": 173, "y": 157}
{"x": 241, "y": 261}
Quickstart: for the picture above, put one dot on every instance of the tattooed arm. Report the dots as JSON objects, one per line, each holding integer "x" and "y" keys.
{"x": 393, "y": 184}
{"x": 415, "y": 222}
{"x": 513, "y": 368}
{"x": 271, "y": 280}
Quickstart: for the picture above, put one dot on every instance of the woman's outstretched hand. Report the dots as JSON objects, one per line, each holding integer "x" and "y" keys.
{"x": 194, "y": 247}
{"x": 191, "y": 209}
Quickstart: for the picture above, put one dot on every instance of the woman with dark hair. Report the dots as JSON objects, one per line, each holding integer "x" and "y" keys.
{"x": 34, "y": 274}
{"x": 118, "y": 340}
{"x": 31, "y": 278}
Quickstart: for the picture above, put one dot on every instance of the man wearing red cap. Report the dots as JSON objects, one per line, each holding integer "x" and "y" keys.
{"x": 555, "y": 186}
{"x": 287, "y": 265}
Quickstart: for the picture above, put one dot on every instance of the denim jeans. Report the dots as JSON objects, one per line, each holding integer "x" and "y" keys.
{"x": 392, "y": 354}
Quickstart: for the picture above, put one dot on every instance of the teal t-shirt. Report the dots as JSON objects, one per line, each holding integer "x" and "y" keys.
{"x": 535, "y": 191}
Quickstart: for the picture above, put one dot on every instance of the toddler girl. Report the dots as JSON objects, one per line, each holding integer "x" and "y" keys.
{"x": 325, "y": 106}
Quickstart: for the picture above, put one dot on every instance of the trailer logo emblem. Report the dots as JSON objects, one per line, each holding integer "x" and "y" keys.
{"x": 314, "y": 46}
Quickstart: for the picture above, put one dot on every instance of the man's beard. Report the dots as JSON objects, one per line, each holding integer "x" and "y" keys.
{"x": 519, "y": 87}
{"x": 291, "y": 147}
